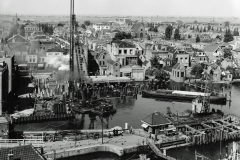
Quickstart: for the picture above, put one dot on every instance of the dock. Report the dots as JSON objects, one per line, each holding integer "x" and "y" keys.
{"x": 157, "y": 151}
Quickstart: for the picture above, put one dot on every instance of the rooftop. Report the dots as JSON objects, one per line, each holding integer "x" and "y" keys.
{"x": 156, "y": 119}
{"x": 21, "y": 152}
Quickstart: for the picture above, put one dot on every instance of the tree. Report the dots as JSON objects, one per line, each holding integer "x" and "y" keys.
{"x": 13, "y": 30}
{"x": 83, "y": 26}
{"x": 22, "y": 31}
{"x": 218, "y": 37}
{"x": 87, "y": 23}
{"x": 76, "y": 24}
{"x": 209, "y": 26}
{"x": 195, "y": 22}
{"x": 228, "y": 37}
{"x": 176, "y": 34}
{"x": 235, "y": 32}
{"x": 155, "y": 29}
{"x": 197, "y": 70}
{"x": 204, "y": 29}
{"x": 227, "y": 52}
{"x": 149, "y": 72}
{"x": 226, "y": 24}
{"x": 122, "y": 35}
{"x": 154, "y": 62}
{"x": 160, "y": 74}
{"x": 189, "y": 36}
{"x": 148, "y": 37}
{"x": 197, "y": 39}
{"x": 168, "y": 32}
{"x": 60, "y": 24}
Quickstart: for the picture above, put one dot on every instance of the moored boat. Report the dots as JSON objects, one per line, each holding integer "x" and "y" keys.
{"x": 181, "y": 96}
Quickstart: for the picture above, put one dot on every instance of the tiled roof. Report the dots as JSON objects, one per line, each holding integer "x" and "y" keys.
{"x": 111, "y": 62}
{"x": 166, "y": 59}
{"x": 237, "y": 49}
{"x": 56, "y": 49}
{"x": 18, "y": 36}
{"x": 210, "y": 48}
{"x": 167, "y": 68}
{"x": 135, "y": 26}
{"x": 123, "y": 44}
{"x": 156, "y": 119}
{"x": 145, "y": 63}
{"x": 171, "y": 49}
{"x": 178, "y": 66}
{"x": 40, "y": 37}
{"x": 19, "y": 47}
{"x": 21, "y": 152}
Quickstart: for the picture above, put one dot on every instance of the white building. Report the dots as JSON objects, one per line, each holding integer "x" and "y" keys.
{"x": 100, "y": 26}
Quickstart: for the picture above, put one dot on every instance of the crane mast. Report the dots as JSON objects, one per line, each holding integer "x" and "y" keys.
{"x": 72, "y": 46}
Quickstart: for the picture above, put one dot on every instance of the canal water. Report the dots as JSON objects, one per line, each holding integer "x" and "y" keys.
{"x": 132, "y": 110}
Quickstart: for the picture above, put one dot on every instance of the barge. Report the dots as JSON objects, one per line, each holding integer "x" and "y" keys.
{"x": 185, "y": 96}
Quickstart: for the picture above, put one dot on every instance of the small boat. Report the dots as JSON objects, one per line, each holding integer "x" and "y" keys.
{"x": 186, "y": 96}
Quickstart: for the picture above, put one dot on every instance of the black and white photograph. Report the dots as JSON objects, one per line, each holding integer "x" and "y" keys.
{"x": 119, "y": 80}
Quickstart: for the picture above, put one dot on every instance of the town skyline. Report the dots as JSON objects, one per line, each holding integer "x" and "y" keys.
{"x": 182, "y": 8}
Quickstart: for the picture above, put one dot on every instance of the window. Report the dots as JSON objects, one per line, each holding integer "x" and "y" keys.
{"x": 120, "y": 51}
{"x": 30, "y": 59}
{"x": 33, "y": 59}
{"x": 177, "y": 74}
{"x": 186, "y": 58}
{"x": 100, "y": 62}
{"x": 130, "y": 51}
{"x": 182, "y": 74}
{"x": 125, "y": 51}
{"x": 103, "y": 57}
{"x": 103, "y": 63}
{"x": 141, "y": 29}
{"x": 116, "y": 70}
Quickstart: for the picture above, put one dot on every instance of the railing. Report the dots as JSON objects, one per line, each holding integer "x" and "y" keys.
{"x": 157, "y": 151}
{"x": 17, "y": 142}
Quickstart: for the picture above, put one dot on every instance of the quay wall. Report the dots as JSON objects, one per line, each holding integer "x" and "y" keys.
{"x": 120, "y": 151}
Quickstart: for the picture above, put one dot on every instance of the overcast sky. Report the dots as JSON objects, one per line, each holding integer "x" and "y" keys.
{"x": 213, "y": 8}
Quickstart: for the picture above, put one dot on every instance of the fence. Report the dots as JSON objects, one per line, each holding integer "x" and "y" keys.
{"x": 17, "y": 142}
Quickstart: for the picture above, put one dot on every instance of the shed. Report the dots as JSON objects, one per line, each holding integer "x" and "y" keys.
{"x": 155, "y": 122}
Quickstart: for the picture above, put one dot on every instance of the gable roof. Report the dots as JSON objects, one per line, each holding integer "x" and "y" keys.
{"x": 210, "y": 48}
{"x": 18, "y": 36}
{"x": 135, "y": 26}
{"x": 22, "y": 152}
{"x": 19, "y": 47}
{"x": 178, "y": 66}
{"x": 155, "y": 119}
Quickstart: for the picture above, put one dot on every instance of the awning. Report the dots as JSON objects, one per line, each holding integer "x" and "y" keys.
{"x": 40, "y": 65}
{"x": 22, "y": 65}
{"x": 144, "y": 125}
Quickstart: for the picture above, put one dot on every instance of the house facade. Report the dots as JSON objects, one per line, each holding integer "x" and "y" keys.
{"x": 178, "y": 72}
{"x": 122, "y": 52}
{"x": 138, "y": 29}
